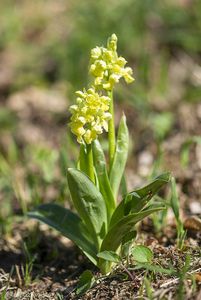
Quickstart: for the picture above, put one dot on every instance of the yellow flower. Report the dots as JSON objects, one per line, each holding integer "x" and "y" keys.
{"x": 107, "y": 67}
{"x": 89, "y": 115}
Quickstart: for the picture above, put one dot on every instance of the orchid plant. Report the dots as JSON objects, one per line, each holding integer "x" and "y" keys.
{"x": 101, "y": 226}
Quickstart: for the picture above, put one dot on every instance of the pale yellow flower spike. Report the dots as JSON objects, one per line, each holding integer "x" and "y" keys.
{"x": 107, "y": 67}
{"x": 89, "y": 115}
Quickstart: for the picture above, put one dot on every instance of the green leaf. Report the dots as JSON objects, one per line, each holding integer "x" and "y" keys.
{"x": 101, "y": 171}
{"x": 69, "y": 224}
{"x": 116, "y": 233}
{"x": 130, "y": 236}
{"x": 154, "y": 268}
{"x": 142, "y": 254}
{"x": 127, "y": 242}
{"x": 89, "y": 203}
{"x": 120, "y": 156}
{"x": 174, "y": 201}
{"x": 109, "y": 256}
{"x": 123, "y": 186}
{"x": 82, "y": 159}
{"x": 135, "y": 201}
{"x": 86, "y": 281}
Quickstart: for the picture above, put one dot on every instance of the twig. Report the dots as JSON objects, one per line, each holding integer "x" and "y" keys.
{"x": 128, "y": 272}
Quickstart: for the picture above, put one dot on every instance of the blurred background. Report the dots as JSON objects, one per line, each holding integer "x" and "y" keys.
{"x": 44, "y": 54}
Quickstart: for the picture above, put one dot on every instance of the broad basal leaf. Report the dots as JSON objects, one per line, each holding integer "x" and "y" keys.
{"x": 126, "y": 224}
{"x": 101, "y": 171}
{"x": 120, "y": 156}
{"x": 89, "y": 203}
{"x": 135, "y": 201}
{"x": 69, "y": 224}
{"x": 109, "y": 256}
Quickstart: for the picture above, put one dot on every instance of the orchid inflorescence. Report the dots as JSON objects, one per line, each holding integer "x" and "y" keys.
{"x": 91, "y": 113}
{"x": 107, "y": 67}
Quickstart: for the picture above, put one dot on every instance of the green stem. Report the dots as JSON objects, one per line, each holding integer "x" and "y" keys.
{"x": 111, "y": 130}
{"x": 90, "y": 165}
